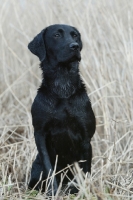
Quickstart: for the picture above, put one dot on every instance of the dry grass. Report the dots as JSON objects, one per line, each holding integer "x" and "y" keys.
{"x": 107, "y": 69}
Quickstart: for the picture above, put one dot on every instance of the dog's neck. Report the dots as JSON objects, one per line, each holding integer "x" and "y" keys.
{"x": 62, "y": 80}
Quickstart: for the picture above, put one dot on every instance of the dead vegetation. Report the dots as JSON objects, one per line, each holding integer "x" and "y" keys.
{"x": 107, "y": 70}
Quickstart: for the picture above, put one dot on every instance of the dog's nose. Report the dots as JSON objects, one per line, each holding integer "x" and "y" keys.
{"x": 74, "y": 46}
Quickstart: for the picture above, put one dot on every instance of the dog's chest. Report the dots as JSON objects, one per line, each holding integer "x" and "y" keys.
{"x": 66, "y": 123}
{"x": 68, "y": 113}
{"x": 69, "y": 125}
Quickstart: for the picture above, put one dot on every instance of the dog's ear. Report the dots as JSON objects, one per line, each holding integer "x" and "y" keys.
{"x": 37, "y": 46}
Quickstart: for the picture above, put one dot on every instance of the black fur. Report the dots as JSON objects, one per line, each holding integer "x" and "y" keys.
{"x": 63, "y": 120}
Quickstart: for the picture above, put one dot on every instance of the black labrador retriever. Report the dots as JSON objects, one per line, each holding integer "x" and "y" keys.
{"x": 63, "y": 119}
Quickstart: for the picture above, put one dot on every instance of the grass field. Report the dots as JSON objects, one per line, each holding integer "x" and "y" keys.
{"x": 107, "y": 70}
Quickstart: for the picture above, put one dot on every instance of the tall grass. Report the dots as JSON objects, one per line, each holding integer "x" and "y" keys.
{"x": 107, "y": 70}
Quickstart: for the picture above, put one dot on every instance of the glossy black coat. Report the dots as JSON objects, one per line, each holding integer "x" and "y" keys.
{"x": 63, "y": 119}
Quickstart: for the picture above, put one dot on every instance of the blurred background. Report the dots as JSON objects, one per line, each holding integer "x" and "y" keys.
{"x": 106, "y": 29}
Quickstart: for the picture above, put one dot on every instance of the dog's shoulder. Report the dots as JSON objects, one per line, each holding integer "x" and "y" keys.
{"x": 42, "y": 108}
{"x": 42, "y": 102}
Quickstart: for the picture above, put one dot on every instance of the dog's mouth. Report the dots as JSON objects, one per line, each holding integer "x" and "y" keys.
{"x": 66, "y": 58}
{"x": 75, "y": 56}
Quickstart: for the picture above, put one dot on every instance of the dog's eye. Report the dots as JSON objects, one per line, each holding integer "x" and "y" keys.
{"x": 57, "y": 35}
{"x": 75, "y": 35}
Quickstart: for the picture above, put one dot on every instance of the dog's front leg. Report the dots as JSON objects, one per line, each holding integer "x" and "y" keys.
{"x": 40, "y": 140}
{"x": 87, "y": 156}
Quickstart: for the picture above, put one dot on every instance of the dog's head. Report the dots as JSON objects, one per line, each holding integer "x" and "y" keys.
{"x": 60, "y": 43}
